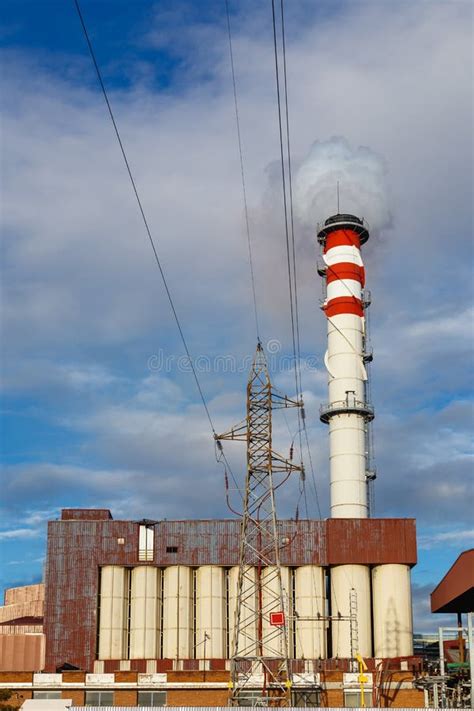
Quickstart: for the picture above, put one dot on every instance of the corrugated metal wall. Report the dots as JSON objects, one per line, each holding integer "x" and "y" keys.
{"x": 22, "y": 652}
{"x": 77, "y": 548}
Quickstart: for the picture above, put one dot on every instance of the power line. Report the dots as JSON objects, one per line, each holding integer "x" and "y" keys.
{"x": 242, "y": 172}
{"x": 290, "y": 186}
{"x": 292, "y": 228}
{"x": 148, "y": 231}
{"x": 293, "y": 308}
{"x": 285, "y": 206}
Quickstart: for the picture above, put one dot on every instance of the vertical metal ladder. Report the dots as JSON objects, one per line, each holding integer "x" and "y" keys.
{"x": 354, "y": 625}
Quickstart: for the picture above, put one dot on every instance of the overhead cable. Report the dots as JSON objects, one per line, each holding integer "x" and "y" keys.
{"x": 290, "y": 233}
{"x": 242, "y": 171}
{"x": 147, "y": 229}
{"x": 285, "y": 208}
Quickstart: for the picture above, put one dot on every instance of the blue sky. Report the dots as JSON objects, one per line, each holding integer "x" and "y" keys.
{"x": 96, "y": 409}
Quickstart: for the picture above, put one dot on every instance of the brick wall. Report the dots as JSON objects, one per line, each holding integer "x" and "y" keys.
{"x": 74, "y": 677}
{"x": 201, "y": 697}
{"x": 334, "y": 697}
{"x": 126, "y": 677}
{"x": 76, "y": 695}
{"x": 403, "y": 698}
{"x": 16, "y": 677}
{"x": 125, "y": 697}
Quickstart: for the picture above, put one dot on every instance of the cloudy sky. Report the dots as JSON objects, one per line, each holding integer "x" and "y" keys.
{"x": 99, "y": 408}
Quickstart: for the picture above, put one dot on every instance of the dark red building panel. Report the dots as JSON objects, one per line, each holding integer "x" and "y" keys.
{"x": 85, "y": 515}
{"x": 455, "y": 592}
{"x": 79, "y": 544}
{"x": 371, "y": 541}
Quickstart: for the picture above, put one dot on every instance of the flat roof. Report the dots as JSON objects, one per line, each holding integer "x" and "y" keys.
{"x": 455, "y": 592}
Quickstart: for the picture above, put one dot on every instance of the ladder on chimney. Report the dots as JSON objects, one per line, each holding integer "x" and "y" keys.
{"x": 354, "y": 626}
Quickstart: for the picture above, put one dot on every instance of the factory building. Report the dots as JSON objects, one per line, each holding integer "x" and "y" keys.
{"x": 120, "y": 593}
{"x": 138, "y": 610}
{"x": 22, "y": 642}
{"x": 137, "y": 607}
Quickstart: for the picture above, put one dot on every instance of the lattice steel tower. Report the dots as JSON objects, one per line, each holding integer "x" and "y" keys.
{"x": 259, "y": 637}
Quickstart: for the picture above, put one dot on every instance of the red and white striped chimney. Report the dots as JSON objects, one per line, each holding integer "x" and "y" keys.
{"x": 347, "y": 411}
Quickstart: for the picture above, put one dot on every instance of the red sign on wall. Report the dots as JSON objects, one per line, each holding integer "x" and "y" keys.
{"x": 277, "y": 619}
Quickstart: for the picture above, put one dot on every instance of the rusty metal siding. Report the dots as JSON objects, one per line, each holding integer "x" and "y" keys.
{"x": 455, "y": 592}
{"x": 78, "y": 547}
{"x": 216, "y": 542}
{"x": 303, "y": 542}
{"x": 76, "y": 550}
{"x": 213, "y": 542}
{"x": 22, "y": 652}
{"x": 371, "y": 541}
{"x": 85, "y": 514}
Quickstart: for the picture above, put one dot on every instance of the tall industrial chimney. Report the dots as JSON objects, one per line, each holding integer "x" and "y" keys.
{"x": 347, "y": 413}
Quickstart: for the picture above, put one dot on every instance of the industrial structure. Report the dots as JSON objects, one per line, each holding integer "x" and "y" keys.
{"x": 259, "y": 639}
{"x": 22, "y": 642}
{"x": 382, "y": 623}
{"x": 253, "y": 610}
{"x": 134, "y": 607}
{"x": 451, "y": 685}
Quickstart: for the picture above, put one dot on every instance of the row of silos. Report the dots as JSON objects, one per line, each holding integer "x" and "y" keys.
{"x": 181, "y": 612}
{"x": 371, "y": 611}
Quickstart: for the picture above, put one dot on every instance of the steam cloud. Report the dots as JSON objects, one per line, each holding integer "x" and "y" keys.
{"x": 361, "y": 175}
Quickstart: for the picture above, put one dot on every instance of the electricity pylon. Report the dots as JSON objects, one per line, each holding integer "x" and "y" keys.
{"x": 259, "y": 644}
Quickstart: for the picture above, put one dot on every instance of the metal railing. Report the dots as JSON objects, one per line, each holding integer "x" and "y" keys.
{"x": 349, "y": 406}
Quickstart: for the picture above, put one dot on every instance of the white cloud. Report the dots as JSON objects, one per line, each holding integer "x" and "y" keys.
{"x": 460, "y": 539}
{"x": 17, "y": 534}
{"x": 83, "y": 304}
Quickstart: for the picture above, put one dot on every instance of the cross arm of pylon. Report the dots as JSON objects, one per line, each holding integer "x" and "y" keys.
{"x": 280, "y": 402}
{"x": 238, "y": 433}
{"x": 282, "y": 464}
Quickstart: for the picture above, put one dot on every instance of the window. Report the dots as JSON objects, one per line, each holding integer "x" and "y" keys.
{"x": 171, "y": 549}
{"x": 352, "y": 699}
{"x": 305, "y": 698}
{"x": 99, "y": 698}
{"x": 146, "y": 542}
{"x": 252, "y": 698}
{"x": 46, "y": 694}
{"x": 152, "y": 698}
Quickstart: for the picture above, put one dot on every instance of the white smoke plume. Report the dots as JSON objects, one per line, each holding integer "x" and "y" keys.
{"x": 362, "y": 186}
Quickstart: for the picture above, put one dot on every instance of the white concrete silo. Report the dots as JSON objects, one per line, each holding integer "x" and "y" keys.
{"x": 309, "y": 603}
{"x": 178, "y": 612}
{"x": 145, "y": 604}
{"x": 392, "y": 609}
{"x": 210, "y": 612}
{"x": 113, "y": 612}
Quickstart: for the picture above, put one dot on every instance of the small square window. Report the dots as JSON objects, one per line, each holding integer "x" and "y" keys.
{"x": 121, "y": 541}
{"x": 252, "y": 698}
{"x": 352, "y": 699}
{"x": 46, "y": 694}
{"x": 305, "y": 698}
{"x": 151, "y": 698}
{"x": 99, "y": 698}
{"x": 171, "y": 549}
